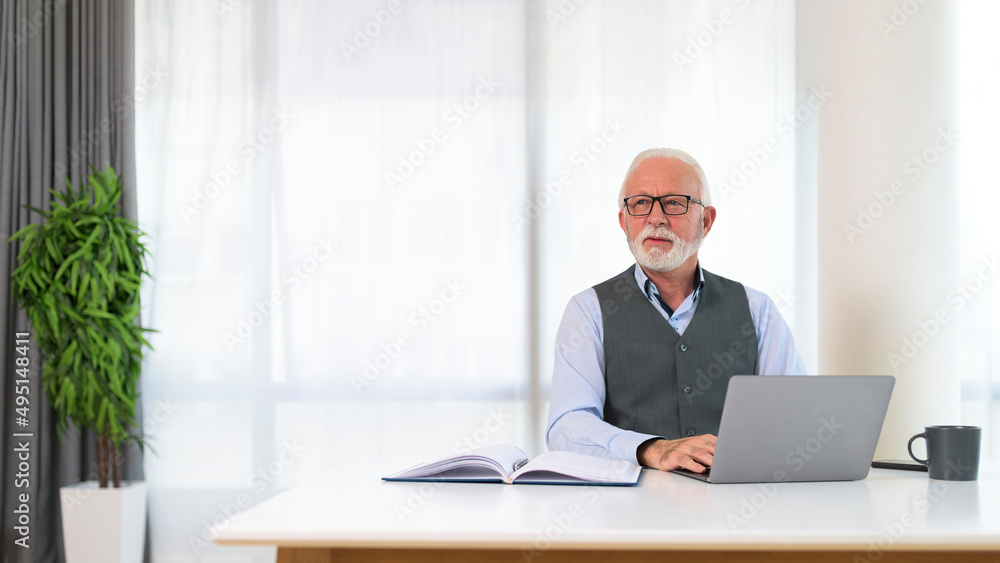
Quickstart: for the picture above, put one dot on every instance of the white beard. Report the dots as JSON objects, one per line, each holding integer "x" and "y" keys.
{"x": 659, "y": 260}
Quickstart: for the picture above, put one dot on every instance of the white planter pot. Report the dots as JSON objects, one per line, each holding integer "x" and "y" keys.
{"x": 105, "y": 525}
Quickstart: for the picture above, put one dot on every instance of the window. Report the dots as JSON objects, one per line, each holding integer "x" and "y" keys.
{"x": 367, "y": 218}
{"x": 975, "y": 301}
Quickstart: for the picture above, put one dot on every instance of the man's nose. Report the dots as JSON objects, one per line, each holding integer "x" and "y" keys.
{"x": 657, "y": 216}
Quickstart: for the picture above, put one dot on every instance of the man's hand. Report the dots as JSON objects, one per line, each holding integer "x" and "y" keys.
{"x": 694, "y": 454}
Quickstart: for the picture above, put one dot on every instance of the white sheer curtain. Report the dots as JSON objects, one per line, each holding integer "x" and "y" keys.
{"x": 713, "y": 78}
{"x": 975, "y": 299}
{"x": 346, "y": 219}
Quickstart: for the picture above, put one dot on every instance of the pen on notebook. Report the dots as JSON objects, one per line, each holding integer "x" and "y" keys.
{"x": 520, "y": 464}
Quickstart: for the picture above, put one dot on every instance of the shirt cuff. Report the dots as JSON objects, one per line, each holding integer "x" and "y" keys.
{"x": 627, "y": 443}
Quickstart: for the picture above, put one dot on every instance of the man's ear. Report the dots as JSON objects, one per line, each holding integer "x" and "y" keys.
{"x": 621, "y": 220}
{"x": 708, "y": 218}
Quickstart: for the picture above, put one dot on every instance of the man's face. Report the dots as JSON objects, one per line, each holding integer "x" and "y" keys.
{"x": 658, "y": 241}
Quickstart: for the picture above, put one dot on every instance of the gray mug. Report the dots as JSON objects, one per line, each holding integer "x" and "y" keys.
{"x": 952, "y": 452}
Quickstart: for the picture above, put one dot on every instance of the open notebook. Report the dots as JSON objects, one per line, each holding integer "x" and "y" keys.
{"x": 509, "y": 464}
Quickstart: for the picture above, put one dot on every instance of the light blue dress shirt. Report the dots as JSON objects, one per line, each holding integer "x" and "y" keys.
{"x": 576, "y": 404}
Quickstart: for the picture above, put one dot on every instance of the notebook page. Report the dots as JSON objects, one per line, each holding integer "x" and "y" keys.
{"x": 580, "y": 466}
{"x": 499, "y": 459}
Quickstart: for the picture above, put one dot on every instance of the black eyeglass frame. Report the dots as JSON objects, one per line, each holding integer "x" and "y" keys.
{"x": 687, "y": 204}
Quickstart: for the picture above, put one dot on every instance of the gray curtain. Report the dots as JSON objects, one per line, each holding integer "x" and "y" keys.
{"x": 66, "y": 97}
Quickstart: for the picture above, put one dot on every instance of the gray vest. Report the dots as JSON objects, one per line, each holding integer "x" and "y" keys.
{"x": 659, "y": 382}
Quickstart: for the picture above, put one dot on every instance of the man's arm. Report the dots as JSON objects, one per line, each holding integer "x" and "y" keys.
{"x": 776, "y": 352}
{"x": 576, "y": 403}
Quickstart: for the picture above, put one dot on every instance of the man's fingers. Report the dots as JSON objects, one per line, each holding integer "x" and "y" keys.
{"x": 703, "y": 456}
{"x": 691, "y": 465}
{"x": 694, "y": 460}
{"x": 696, "y": 444}
{"x": 699, "y": 455}
{"x": 707, "y": 442}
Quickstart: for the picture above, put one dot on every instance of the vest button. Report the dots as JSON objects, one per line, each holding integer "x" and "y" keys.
{"x": 690, "y": 431}
{"x": 687, "y": 390}
{"x": 684, "y": 347}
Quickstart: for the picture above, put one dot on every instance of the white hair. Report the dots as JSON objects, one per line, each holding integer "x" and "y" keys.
{"x": 674, "y": 154}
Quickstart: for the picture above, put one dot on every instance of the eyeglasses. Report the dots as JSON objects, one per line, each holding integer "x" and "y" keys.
{"x": 671, "y": 204}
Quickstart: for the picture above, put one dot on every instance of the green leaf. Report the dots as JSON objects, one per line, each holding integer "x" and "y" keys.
{"x": 102, "y": 271}
{"x": 60, "y": 196}
{"x": 95, "y": 295}
{"x": 42, "y": 212}
{"x": 77, "y": 359}
{"x": 67, "y": 356}
{"x": 23, "y": 232}
{"x": 85, "y": 251}
{"x": 99, "y": 192}
{"x": 102, "y": 414}
{"x": 67, "y": 309}
{"x": 84, "y": 284}
{"x": 52, "y": 250}
{"x": 51, "y": 312}
{"x": 98, "y": 313}
{"x": 74, "y": 277}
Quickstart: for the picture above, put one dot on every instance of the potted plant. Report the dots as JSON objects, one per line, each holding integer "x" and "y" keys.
{"x": 78, "y": 278}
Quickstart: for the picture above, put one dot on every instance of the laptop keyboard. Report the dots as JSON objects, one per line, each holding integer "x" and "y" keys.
{"x": 706, "y": 473}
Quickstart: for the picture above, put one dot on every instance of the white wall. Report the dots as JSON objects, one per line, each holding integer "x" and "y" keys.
{"x": 885, "y": 273}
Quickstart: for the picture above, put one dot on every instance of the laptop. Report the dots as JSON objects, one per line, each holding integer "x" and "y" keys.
{"x": 798, "y": 428}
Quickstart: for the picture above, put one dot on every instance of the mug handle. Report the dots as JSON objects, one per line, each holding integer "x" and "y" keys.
{"x": 909, "y": 448}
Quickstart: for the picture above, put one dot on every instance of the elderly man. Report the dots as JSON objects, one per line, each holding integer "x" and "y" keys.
{"x": 643, "y": 360}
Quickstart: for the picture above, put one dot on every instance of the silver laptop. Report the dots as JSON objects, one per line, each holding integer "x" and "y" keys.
{"x": 798, "y": 428}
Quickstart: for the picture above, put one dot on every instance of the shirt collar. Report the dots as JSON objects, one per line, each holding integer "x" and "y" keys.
{"x": 649, "y": 288}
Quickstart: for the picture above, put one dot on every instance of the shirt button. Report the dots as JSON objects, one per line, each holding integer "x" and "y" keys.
{"x": 687, "y": 390}
{"x": 684, "y": 347}
{"x": 690, "y": 431}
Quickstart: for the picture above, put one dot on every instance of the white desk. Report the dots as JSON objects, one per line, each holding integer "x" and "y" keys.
{"x": 890, "y": 516}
